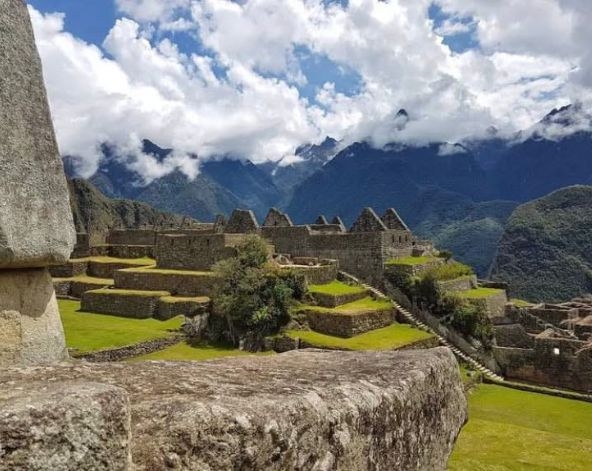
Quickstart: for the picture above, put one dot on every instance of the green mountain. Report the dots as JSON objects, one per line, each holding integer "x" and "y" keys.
{"x": 545, "y": 252}
{"x": 94, "y": 212}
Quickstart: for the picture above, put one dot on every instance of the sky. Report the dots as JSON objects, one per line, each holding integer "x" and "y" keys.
{"x": 255, "y": 79}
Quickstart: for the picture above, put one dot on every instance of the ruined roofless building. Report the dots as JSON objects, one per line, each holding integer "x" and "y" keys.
{"x": 36, "y": 227}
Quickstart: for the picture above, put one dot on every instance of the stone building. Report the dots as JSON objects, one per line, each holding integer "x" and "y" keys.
{"x": 363, "y": 250}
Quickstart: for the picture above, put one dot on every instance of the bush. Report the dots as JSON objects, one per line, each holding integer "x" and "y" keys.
{"x": 472, "y": 320}
{"x": 449, "y": 271}
{"x": 445, "y": 254}
{"x": 253, "y": 298}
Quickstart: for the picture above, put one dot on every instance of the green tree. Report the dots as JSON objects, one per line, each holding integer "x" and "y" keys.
{"x": 253, "y": 298}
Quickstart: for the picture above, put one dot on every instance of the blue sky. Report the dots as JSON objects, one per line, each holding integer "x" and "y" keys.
{"x": 258, "y": 78}
{"x": 91, "y": 21}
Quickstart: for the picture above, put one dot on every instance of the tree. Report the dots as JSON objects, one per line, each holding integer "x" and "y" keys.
{"x": 253, "y": 297}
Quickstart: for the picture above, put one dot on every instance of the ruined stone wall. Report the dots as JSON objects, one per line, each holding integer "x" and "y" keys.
{"x": 317, "y": 275}
{"x": 124, "y": 251}
{"x": 350, "y": 325}
{"x": 137, "y": 306}
{"x": 554, "y": 315}
{"x": 494, "y": 305}
{"x": 554, "y": 362}
{"x": 198, "y": 252}
{"x": 463, "y": 283}
{"x": 178, "y": 284}
{"x": 359, "y": 253}
{"x": 132, "y": 237}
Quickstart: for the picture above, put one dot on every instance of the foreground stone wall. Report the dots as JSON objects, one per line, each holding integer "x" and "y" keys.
{"x": 391, "y": 411}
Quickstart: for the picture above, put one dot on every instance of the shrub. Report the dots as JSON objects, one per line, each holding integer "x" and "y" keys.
{"x": 253, "y": 298}
{"x": 445, "y": 254}
{"x": 449, "y": 271}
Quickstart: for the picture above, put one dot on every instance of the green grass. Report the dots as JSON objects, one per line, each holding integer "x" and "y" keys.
{"x": 336, "y": 288}
{"x": 388, "y": 338}
{"x": 88, "y": 279}
{"x": 130, "y": 261}
{"x": 479, "y": 293}
{"x": 517, "y": 430}
{"x": 361, "y": 305}
{"x": 413, "y": 261}
{"x": 450, "y": 271}
{"x": 180, "y": 299}
{"x": 87, "y": 332}
{"x": 183, "y": 351}
{"x": 521, "y": 303}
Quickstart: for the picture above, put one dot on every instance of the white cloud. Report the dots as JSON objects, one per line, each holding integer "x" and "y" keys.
{"x": 241, "y": 96}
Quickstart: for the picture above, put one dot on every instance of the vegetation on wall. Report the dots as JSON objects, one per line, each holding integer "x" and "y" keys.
{"x": 253, "y": 298}
{"x": 424, "y": 292}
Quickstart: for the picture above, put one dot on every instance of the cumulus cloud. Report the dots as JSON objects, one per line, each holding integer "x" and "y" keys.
{"x": 241, "y": 94}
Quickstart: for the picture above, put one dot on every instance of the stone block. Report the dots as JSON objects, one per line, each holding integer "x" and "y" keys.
{"x": 36, "y": 227}
{"x": 295, "y": 411}
{"x": 30, "y": 327}
{"x": 77, "y": 426}
{"x": 69, "y": 269}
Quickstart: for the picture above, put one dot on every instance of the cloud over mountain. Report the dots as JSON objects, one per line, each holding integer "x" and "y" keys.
{"x": 219, "y": 77}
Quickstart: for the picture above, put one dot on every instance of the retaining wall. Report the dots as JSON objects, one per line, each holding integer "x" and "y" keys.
{"x": 348, "y": 325}
{"x": 127, "y": 304}
{"x": 179, "y": 284}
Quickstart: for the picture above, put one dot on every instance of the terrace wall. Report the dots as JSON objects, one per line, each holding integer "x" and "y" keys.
{"x": 348, "y": 325}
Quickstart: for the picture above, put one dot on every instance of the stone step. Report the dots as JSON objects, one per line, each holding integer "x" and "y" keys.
{"x": 173, "y": 306}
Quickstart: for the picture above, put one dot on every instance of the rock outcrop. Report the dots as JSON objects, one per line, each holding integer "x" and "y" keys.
{"x": 36, "y": 227}
{"x": 304, "y": 410}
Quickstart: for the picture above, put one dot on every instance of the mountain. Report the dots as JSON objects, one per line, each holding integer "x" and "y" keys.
{"x": 438, "y": 189}
{"x": 94, "y": 212}
{"x": 557, "y": 154}
{"x": 545, "y": 252}
{"x": 288, "y": 174}
{"x": 220, "y": 187}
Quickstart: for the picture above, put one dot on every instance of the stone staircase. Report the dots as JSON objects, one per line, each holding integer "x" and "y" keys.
{"x": 413, "y": 320}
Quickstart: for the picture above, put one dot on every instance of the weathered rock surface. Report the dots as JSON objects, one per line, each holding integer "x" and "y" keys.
{"x": 30, "y": 326}
{"x": 66, "y": 426}
{"x": 36, "y": 226}
{"x": 306, "y": 410}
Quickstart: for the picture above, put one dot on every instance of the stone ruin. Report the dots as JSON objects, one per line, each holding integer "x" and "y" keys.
{"x": 548, "y": 344}
{"x": 291, "y": 411}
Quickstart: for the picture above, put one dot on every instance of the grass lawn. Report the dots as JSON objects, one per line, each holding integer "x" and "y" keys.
{"x": 479, "y": 293}
{"x": 183, "y": 351}
{"x": 388, "y": 338}
{"x": 336, "y": 288}
{"x": 131, "y": 261}
{"x": 411, "y": 261}
{"x": 88, "y": 279}
{"x": 360, "y": 305}
{"x": 92, "y": 332}
{"x": 521, "y": 303}
{"x": 518, "y": 430}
